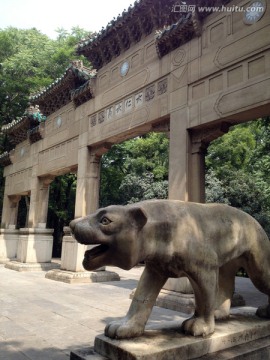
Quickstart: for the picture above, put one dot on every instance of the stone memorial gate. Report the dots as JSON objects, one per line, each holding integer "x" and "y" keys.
{"x": 162, "y": 65}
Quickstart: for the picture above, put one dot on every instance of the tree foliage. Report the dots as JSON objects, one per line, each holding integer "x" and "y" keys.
{"x": 238, "y": 170}
{"x": 135, "y": 170}
{"x": 29, "y": 61}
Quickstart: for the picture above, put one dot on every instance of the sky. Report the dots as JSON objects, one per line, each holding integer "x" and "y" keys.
{"x": 48, "y": 15}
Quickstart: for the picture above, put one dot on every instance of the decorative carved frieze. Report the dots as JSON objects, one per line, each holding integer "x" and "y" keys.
{"x": 93, "y": 120}
{"x": 150, "y": 92}
{"x": 130, "y": 103}
{"x": 162, "y": 86}
{"x": 101, "y": 117}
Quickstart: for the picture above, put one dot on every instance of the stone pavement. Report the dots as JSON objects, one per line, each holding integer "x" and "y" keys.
{"x": 41, "y": 319}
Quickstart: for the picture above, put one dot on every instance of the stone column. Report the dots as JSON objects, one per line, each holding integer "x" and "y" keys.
{"x": 88, "y": 179}
{"x": 187, "y": 182}
{"x": 178, "y": 156}
{"x": 9, "y": 236}
{"x": 39, "y": 201}
{"x": 196, "y": 188}
{"x": 43, "y": 200}
{"x": 35, "y": 242}
{"x": 87, "y": 201}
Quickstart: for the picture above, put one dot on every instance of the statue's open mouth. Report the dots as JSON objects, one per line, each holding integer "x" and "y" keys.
{"x": 95, "y": 252}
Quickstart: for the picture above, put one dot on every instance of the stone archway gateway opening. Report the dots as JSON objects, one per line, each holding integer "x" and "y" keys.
{"x": 160, "y": 66}
{"x": 135, "y": 170}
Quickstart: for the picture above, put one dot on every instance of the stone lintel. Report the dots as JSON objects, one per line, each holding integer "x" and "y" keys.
{"x": 72, "y": 277}
{"x": 167, "y": 342}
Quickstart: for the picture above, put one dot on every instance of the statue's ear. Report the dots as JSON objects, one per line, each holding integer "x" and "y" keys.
{"x": 139, "y": 216}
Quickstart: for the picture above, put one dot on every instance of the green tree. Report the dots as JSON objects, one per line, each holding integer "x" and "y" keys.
{"x": 135, "y": 170}
{"x": 61, "y": 207}
{"x": 30, "y": 61}
{"x": 238, "y": 167}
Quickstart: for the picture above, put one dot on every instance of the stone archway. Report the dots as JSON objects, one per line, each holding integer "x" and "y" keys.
{"x": 193, "y": 71}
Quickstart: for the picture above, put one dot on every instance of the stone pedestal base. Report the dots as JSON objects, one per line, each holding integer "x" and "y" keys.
{"x": 9, "y": 239}
{"x": 71, "y": 270}
{"x": 34, "y": 251}
{"x": 185, "y": 303}
{"x": 243, "y": 336}
{"x": 176, "y": 301}
{"x": 72, "y": 253}
{"x": 72, "y": 277}
{"x": 35, "y": 245}
{"x": 19, "y": 266}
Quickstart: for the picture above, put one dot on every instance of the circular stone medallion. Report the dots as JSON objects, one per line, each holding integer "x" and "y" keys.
{"x": 254, "y": 12}
{"x": 58, "y": 122}
{"x": 124, "y": 68}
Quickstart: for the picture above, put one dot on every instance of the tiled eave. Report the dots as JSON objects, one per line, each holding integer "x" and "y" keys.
{"x": 17, "y": 129}
{"x": 82, "y": 94}
{"x": 177, "y": 34}
{"x": 6, "y": 158}
{"x": 138, "y": 21}
{"x": 59, "y": 93}
{"x": 144, "y": 18}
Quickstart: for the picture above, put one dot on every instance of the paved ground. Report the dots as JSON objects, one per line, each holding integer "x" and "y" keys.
{"x": 45, "y": 319}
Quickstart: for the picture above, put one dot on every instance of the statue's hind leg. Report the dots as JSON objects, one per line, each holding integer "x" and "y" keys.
{"x": 225, "y": 291}
{"x": 258, "y": 269}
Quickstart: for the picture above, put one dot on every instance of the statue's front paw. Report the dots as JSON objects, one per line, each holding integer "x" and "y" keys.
{"x": 263, "y": 311}
{"x": 123, "y": 329}
{"x": 198, "y": 326}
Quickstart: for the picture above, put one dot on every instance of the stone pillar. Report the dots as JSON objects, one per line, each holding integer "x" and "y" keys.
{"x": 35, "y": 242}
{"x": 43, "y": 200}
{"x": 196, "y": 188}
{"x": 187, "y": 182}
{"x": 9, "y": 235}
{"x": 10, "y": 211}
{"x": 88, "y": 180}
{"x": 87, "y": 201}
{"x": 178, "y": 156}
{"x": 39, "y": 201}
{"x": 9, "y": 239}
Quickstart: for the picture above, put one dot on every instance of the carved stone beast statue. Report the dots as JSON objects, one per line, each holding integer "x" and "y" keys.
{"x": 208, "y": 243}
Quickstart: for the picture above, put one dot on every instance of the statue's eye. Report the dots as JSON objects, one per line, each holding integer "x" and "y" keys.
{"x": 105, "y": 221}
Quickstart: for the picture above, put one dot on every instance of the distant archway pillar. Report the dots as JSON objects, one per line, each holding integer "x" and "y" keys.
{"x": 87, "y": 201}
{"x": 186, "y": 182}
{"x": 196, "y": 170}
{"x": 10, "y": 210}
{"x": 178, "y": 159}
{"x": 9, "y": 235}
{"x": 39, "y": 200}
{"x": 35, "y": 242}
{"x": 88, "y": 179}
